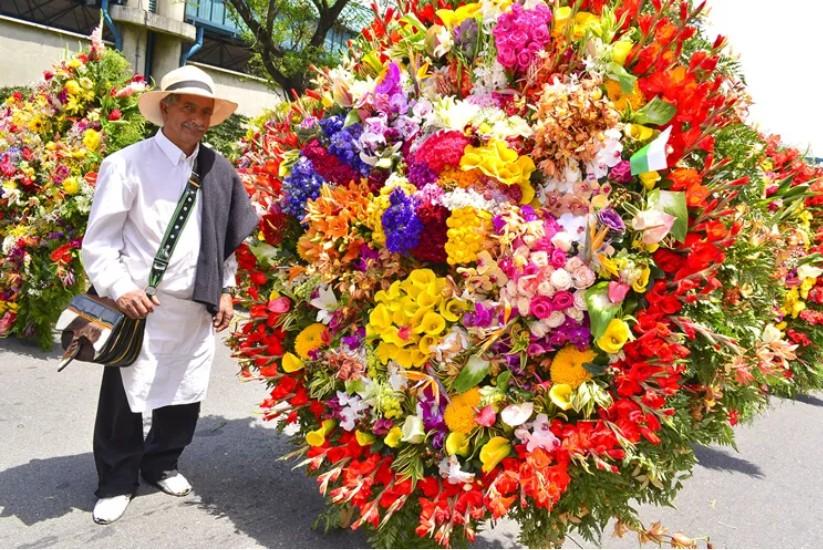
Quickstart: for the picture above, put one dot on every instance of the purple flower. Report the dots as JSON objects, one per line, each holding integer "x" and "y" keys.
{"x": 354, "y": 341}
{"x": 621, "y": 172}
{"x": 611, "y": 219}
{"x": 528, "y": 213}
{"x": 381, "y": 427}
{"x": 420, "y": 174}
{"x": 482, "y": 316}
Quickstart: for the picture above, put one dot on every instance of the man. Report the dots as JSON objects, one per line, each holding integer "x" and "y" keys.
{"x": 137, "y": 192}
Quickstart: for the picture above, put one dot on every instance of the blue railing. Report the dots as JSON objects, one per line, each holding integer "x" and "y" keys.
{"x": 212, "y": 14}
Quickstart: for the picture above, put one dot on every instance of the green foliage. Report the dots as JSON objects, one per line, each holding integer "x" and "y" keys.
{"x": 226, "y": 137}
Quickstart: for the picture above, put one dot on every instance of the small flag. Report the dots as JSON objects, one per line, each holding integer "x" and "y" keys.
{"x": 653, "y": 156}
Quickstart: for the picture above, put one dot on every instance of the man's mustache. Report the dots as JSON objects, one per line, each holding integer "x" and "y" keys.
{"x": 195, "y": 127}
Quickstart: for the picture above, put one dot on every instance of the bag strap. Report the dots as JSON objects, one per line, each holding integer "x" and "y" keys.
{"x": 178, "y": 221}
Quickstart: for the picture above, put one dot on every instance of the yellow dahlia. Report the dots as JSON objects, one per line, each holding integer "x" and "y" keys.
{"x": 567, "y": 366}
{"x": 460, "y": 411}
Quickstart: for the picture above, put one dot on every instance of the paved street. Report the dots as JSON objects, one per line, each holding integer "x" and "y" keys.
{"x": 765, "y": 495}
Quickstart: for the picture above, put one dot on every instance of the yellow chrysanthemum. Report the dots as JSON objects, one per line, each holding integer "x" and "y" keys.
{"x": 460, "y": 411}
{"x": 567, "y": 366}
{"x": 310, "y": 338}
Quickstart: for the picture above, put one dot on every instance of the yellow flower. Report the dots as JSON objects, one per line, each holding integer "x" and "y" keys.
{"x": 91, "y": 139}
{"x": 432, "y": 324}
{"x": 616, "y": 335}
{"x": 620, "y": 51}
{"x": 567, "y": 366}
{"x": 649, "y": 179}
{"x": 639, "y": 285}
{"x": 638, "y": 132}
{"x": 310, "y": 339}
{"x": 467, "y": 233}
{"x": 622, "y": 100}
{"x": 317, "y": 437}
{"x": 453, "y": 18}
{"x": 561, "y": 395}
{"x": 457, "y": 444}
{"x": 793, "y": 305}
{"x": 71, "y": 185}
{"x": 493, "y": 452}
{"x": 363, "y": 439}
{"x": 73, "y": 88}
{"x": 496, "y": 159}
{"x": 291, "y": 363}
{"x": 460, "y": 412}
{"x": 392, "y": 438}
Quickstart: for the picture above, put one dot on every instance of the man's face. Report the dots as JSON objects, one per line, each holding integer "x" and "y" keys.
{"x": 186, "y": 120}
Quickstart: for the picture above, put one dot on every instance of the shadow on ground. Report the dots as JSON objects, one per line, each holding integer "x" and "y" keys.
{"x": 233, "y": 467}
{"x": 714, "y": 458}
{"x": 30, "y": 349}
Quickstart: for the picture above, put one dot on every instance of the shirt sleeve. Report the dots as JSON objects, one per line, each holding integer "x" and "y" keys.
{"x": 103, "y": 242}
{"x": 230, "y": 271}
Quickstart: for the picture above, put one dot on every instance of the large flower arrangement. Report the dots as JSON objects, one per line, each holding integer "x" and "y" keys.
{"x": 51, "y": 142}
{"x": 515, "y": 260}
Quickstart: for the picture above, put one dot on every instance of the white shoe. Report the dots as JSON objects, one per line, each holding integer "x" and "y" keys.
{"x": 108, "y": 510}
{"x": 176, "y": 485}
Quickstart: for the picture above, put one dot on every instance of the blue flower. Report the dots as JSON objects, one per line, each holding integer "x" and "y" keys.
{"x": 400, "y": 223}
{"x": 299, "y": 186}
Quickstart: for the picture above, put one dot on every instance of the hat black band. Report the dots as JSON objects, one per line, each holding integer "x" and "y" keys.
{"x": 189, "y": 84}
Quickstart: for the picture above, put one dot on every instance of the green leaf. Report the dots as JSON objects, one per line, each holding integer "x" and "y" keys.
{"x": 674, "y": 204}
{"x": 656, "y": 111}
{"x": 352, "y": 118}
{"x": 601, "y": 309}
{"x": 622, "y": 76}
{"x": 503, "y": 379}
{"x": 475, "y": 370}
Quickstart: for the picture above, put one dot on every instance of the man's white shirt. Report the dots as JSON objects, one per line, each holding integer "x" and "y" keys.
{"x": 135, "y": 197}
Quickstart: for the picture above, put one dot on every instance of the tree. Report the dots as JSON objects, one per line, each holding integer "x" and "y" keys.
{"x": 288, "y": 36}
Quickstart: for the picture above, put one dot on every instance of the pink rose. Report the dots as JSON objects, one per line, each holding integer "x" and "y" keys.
{"x": 583, "y": 277}
{"x": 541, "y": 307}
{"x": 558, "y": 258}
{"x": 562, "y": 300}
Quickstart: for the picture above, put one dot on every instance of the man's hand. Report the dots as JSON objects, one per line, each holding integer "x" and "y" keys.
{"x": 224, "y": 313}
{"x": 136, "y": 304}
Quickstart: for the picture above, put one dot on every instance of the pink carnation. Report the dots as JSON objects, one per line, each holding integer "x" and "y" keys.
{"x": 441, "y": 150}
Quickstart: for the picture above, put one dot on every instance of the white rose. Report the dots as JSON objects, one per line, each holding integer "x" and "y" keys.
{"x": 561, "y": 279}
{"x": 556, "y": 319}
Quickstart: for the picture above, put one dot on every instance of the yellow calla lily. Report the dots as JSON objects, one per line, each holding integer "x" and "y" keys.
{"x": 493, "y": 452}
{"x": 615, "y": 337}
{"x": 291, "y": 362}
{"x": 457, "y": 444}
{"x": 364, "y": 439}
{"x": 561, "y": 395}
{"x": 392, "y": 438}
{"x": 317, "y": 437}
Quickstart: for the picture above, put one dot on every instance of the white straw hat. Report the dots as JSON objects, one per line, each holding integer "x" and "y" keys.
{"x": 185, "y": 80}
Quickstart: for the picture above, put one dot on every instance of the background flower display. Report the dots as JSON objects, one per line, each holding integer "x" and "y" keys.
{"x": 51, "y": 142}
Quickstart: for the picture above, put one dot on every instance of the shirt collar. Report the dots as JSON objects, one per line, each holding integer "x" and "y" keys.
{"x": 172, "y": 151}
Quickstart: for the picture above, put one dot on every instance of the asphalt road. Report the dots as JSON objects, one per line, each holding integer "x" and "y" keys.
{"x": 766, "y": 495}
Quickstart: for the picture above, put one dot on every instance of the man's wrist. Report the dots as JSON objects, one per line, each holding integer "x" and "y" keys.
{"x": 231, "y": 290}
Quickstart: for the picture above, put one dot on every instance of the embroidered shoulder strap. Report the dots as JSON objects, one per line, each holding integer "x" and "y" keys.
{"x": 178, "y": 221}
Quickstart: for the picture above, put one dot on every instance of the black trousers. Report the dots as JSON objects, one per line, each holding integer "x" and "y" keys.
{"x": 120, "y": 452}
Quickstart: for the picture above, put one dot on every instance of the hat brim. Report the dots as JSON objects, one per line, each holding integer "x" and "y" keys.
{"x": 149, "y": 105}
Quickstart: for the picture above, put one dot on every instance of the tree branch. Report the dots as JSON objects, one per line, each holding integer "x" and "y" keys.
{"x": 328, "y": 17}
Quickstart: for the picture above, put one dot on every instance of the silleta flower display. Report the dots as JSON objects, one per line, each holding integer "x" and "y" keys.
{"x": 516, "y": 259}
